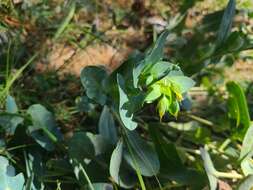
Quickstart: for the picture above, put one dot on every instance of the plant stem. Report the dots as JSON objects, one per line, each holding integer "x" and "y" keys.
{"x": 231, "y": 175}
{"x": 200, "y": 120}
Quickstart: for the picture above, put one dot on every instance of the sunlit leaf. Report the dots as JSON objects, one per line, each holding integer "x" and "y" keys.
{"x": 210, "y": 170}
{"x": 247, "y": 152}
{"x": 121, "y": 175}
{"x": 237, "y": 95}
{"x": 247, "y": 183}
{"x": 155, "y": 55}
{"x": 153, "y": 94}
{"x": 123, "y": 99}
{"x": 11, "y": 106}
{"x": 8, "y": 179}
{"x": 184, "y": 83}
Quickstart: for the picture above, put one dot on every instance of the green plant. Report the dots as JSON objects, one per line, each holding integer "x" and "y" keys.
{"x": 137, "y": 128}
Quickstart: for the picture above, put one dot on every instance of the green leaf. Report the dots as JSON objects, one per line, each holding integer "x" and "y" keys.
{"x": 93, "y": 79}
{"x": 100, "y": 144}
{"x": 156, "y": 53}
{"x": 174, "y": 108}
{"x": 247, "y": 183}
{"x": 184, "y": 83}
{"x": 35, "y": 170}
{"x": 141, "y": 155}
{"x": 107, "y": 126}
{"x": 210, "y": 170}
{"x": 226, "y": 22}
{"x": 122, "y": 176}
{"x": 84, "y": 104}
{"x": 44, "y": 129}
{"x": 247, "y": 152}
{"x": 153, "y": 94}
{"x": 161, "y": 68}
{"x": 168, "y": 155}
{"x": 10, "y": 122}
{"x": 172, "y": 167}
{"x": 237, "y": 95}
{"x": 235, "y": 42}
{"x": 83, "y": 146}
{"x": 11, "y": 106}
{"x": 123, "y": 99}
{"x": 80, "y": 147}
{"x": 8, "y": 179}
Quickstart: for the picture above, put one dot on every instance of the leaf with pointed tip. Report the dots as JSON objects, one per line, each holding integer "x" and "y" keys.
{"x": 210, "y": 170}
{"x": 237, "y": 95}
{"x": 118, "y": 170}
{"x": 226, "y": 22}
{"x": 155, "y": 55}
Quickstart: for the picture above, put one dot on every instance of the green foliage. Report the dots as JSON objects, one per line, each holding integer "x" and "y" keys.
{"x": 43, "y": 128}
{"x": 92, "y": 79}
{"x": 142, "y": 126}
{"x": 8, "y": 179}
{"x": 118, "y": 168}
{"x": 237, "y": 106}
{"x": 246, "y": 152}
{"x": 107, "y": 126}
{"x": 210, "y": 170}
{"x": 226, "y": 22}
{"x": 247, "y": 183}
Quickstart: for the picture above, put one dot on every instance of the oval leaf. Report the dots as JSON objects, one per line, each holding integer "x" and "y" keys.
{"x": 122, "y": 176}
{"x": 92, "y": 79}
{"x": 107, "y": 126}
{"x": 141, "y": 156}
